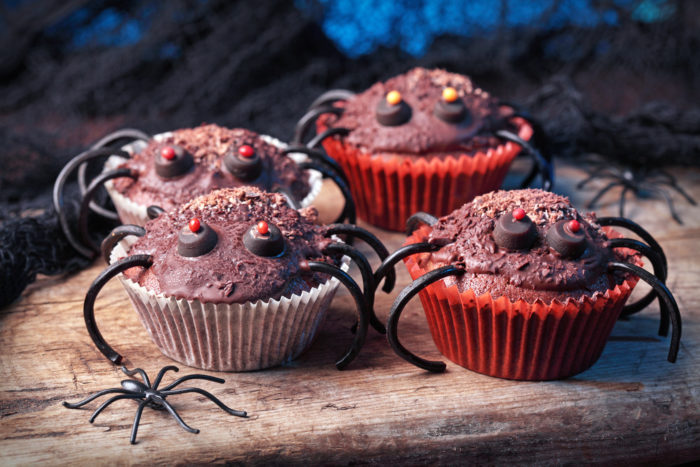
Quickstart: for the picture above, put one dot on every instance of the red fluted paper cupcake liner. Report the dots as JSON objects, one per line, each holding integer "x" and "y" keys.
{"x": 388, "y": 188}
{"x": 518, "y": 340}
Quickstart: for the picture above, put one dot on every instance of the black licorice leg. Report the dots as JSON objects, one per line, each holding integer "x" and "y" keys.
{"x": 318, "y": 156}
{"x": 360, "y": 303}
{"x": 318, "y": 139}
{"x": 139, "y": 371}
{"x": 331, "y": 96}
{"x": 116, "y": 236}
{"x": 639, "y": 230}
{"x": 177, "y": 417}
{"x": 368, "y": 285}
{"x": 154, "y": 211}
{"x": 89, "y": 305}
{"x": 309, "y": 118}
{"x": 289, "y": 197}
{"x": 390, "y": 261}
{"x": 413, "y": 222}
{"x": 543, "y": 166}
{"x": 369, "y": 238}
{"x": 404, "y": 297}
{"x": 137, "y": 420}
{"x": 108, "y": 402}
{"x": 349, "y": 211}
{"x": 87, "y": 199}
{"x": 210, "y": 396}
{"x": 190, "y": 377}
{"x": 659, "y": 272}
{"x": 124, "y": 134}
{"x": 161, "y": 373}
{"x": 77, "y": 405}
{"x": 58, "y": 202}
{"x": 665, "y": 294}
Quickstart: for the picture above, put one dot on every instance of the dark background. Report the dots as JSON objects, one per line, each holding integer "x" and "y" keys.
{"x": 617, "y": 78}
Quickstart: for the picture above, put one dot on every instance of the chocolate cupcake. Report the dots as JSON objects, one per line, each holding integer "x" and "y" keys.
{"x": 173, "y": 168}
{"x": 519, "y": 285}
{"x": 234, "y": 280}
{"x": 427, "y": 140}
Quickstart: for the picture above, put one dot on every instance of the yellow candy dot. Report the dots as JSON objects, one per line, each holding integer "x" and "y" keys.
{"x": 393, "y": 97}
{"x": 449, "y": 94}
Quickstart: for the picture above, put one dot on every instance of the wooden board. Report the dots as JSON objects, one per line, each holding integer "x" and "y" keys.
{"x": 632, "y": 406}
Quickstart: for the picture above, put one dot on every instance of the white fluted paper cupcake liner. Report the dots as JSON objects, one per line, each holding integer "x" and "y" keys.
{"x": 231, "y": 337}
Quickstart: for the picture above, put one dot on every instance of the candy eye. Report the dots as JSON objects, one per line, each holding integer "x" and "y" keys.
{"x": 515, "y": 230}
{"x": 264, "y": 239}
{"x": 567, "y": 238}
{"x": 243, "y": 163}
{"x": 393, "y": 110}
{"x": 450, "y": 108}
{"x": 173, "y": 161}
{"x": 196, "y": 239}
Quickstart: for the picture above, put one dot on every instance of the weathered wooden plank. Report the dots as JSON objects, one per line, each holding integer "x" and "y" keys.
{"x": 632, "y": 406}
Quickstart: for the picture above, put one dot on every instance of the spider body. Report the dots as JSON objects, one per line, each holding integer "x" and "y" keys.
{"x": 148, "y": 395}
{"x": 643, "y": 182}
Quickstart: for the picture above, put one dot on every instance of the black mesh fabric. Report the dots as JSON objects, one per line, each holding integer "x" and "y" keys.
{"x": 627, "y": 91}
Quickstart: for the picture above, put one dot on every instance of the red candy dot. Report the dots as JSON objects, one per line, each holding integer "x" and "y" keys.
{"x": 518, "y": 214}
{"x": 195, "y": 225}
{"x": 574, "y": 225}
{"x": 246, "y": 151}
{"x": 263, "y": 228}
{"x": 168, "y": 153}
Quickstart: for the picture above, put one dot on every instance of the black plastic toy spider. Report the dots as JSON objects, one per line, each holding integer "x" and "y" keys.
{"x": 149, "y": 395}
{"x": 567, "y": 243}
{"x": 324, "y": 104}
{"x": 243, "y": 169}
{"x": 641, "y": 181}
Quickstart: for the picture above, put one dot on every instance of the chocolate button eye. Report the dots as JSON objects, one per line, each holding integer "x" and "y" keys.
{"x": 173, "y": 161}
{"x": 196, "y": 239}
{"x": 450, "y": 108}
{"x": 514, "y": 231}
{"x": 567, "y": 238}
{"x": 392, "y": 110}
{"x": 264, "y": 239}
{"x": 243, "y": 163}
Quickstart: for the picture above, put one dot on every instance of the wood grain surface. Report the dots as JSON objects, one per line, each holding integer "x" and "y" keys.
{"x": 632, "y": 406}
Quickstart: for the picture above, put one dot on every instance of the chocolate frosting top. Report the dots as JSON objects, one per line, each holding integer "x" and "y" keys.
{"x": 230, "y": 273}
{"x": 424, "y": 134}
{"x": 208, "y": 145}
{"x": 528, "y": 274}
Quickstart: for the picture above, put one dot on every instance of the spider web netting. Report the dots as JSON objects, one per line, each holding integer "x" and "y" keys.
{"x": 618, "y": 78}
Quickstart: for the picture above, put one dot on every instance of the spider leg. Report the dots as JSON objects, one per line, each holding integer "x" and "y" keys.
{"x": 664, "y": 294}
{"x": 137, "y": 420}
{"x": 189, "y": 377}
{"x": 309, "y": 118}
{"x": 625, "y": 189}
{"x": 143, "y": 374}
{"x": 596, "y": 173}
{"x": 331, "y": 96}
{"x": 349, "y": 211}
{"x": 413, "y": 222}
{"x": 177, "y": 417}
{"x": 76, "y": 405}
{"x": 669, "y": 201}
{"x": 329, "y": 132}
{"x": 161, "y": 373}
{"x": 317, "y": 155}
{"x": 116, "y": 236}
{"x": 106, "y": 403}
{"x": 673, "y": 184}
{"x": 600, "y": 194}
{"x": 210, "y": 396}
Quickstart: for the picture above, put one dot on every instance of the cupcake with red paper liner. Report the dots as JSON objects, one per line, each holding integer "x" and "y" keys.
{"x": 234, "y": 280}
{"x": 427, "y": 140}
{"x": 169, "y": 169}
{"x": 519, "y": 285}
